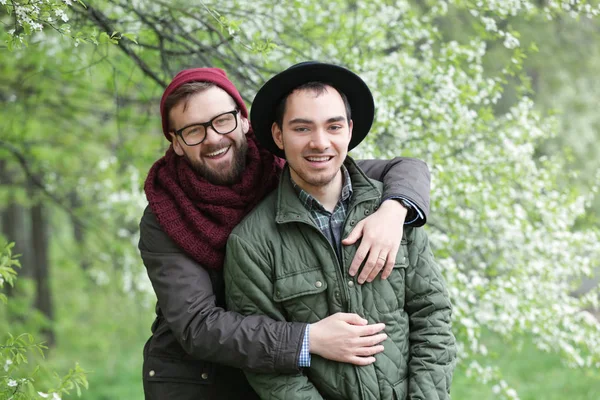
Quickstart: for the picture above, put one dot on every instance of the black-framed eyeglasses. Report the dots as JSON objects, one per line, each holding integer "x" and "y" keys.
{"x": 223, "y": 124}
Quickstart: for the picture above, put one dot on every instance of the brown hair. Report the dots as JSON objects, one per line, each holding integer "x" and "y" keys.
{"x": 183, "y": 93}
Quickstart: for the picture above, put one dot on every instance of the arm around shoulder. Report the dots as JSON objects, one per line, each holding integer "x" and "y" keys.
{"x": 402, "y": 177}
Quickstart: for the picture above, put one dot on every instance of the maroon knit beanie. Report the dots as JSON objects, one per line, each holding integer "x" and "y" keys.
{"x": 213, "y": 75}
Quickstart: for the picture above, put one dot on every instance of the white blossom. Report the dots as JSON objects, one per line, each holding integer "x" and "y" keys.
{"x": 511, "y": 42}
{"x": 60, "y": 13}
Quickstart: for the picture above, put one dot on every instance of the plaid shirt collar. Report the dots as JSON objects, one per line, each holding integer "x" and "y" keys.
{"x": 313, "y": 204}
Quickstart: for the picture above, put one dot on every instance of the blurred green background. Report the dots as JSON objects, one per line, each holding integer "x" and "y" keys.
{"x": 79, "y": 129}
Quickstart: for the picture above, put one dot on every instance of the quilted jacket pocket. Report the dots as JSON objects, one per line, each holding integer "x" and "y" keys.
{"x": 389, "y": 294}
{"x": 299, "y": 284}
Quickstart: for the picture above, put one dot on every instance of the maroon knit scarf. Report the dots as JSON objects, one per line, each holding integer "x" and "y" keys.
{"x": 198, "y": 215}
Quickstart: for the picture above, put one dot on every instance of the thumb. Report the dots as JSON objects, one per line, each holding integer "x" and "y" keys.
{"x": 355, "y": 234}
{"x": 353, "y": 319}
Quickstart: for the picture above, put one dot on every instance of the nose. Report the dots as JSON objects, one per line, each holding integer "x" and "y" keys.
{"x": 212, "y": 136}
{"x": 320, "y": 140}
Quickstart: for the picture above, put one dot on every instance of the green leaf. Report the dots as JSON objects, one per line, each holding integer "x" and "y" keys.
{"x": 131, "y": 37}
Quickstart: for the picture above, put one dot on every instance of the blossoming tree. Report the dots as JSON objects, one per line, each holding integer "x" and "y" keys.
{"x": 503, "y": 219}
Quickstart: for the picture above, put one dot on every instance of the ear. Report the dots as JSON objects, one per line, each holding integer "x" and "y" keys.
{"x": 245, "y": 125}
{"x": 176, "y": 145}
{"x": 277, "y": 135}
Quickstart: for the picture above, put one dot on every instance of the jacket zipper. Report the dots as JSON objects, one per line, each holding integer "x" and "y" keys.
{"x": 348, "y": 217}
{"x": 341, "y": 275}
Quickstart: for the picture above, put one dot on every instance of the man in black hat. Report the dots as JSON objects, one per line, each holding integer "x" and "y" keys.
{"x": 286, "y": 259}
{"x": 213, "y": 173}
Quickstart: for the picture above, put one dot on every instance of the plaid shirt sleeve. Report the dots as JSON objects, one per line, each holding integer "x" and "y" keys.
{"x": 304, "y": 360}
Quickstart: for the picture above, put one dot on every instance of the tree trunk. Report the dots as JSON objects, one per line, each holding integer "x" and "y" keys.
{"x": 14, "y": 228}
{"x": 79, "y": 233}
{"x": 14, "y": 223}
{"x": 43, "y": 298}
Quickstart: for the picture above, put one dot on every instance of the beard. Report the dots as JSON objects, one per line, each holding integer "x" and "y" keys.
{"x": 223, "y": 177}
{"x": 319, "y": 180}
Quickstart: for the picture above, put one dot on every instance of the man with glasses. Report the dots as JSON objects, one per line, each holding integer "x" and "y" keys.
{"x": 213, "y": 174}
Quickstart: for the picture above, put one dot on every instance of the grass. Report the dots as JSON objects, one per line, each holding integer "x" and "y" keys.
{"x": 534, "y": 374}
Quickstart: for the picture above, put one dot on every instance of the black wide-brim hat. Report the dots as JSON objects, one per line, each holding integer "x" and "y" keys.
{"x": 262, "y": 113}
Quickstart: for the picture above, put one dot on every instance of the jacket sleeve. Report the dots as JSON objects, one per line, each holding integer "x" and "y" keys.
{"x": 432, "y": 344}
{"x": 249, "y": 290}
{"x": 206, "y": 331}
{"x": 402, "y": 177}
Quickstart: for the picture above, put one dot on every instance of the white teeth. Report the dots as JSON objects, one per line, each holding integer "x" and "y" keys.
{"x": 218, "y": 152}
{"x": 318, "y": 158}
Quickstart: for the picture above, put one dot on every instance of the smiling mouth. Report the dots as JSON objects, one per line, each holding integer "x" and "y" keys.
{"x": 217, "y": 153}
{"x": 319, "y": 159}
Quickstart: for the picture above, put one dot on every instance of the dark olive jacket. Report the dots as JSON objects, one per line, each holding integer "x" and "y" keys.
{"x": 279, "y": 263}
{"x": 197, "y": 347}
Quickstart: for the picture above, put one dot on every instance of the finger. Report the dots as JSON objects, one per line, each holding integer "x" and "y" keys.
{"x": 369, "y": 265}
{"x": 368, "y": 341}
{"x": 369, "y": 330}
{"x": 361, "y": 361}
{"x": 368, "y": 351}
{"x": 355, "y": 234}
{"x": 389, "y": 264}
{"x": 381, "y": 261}
{"x": 359, "y": 257}
{"x": 352, "y": 319}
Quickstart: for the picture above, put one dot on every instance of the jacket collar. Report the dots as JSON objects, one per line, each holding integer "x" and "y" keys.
{"x": 291, "y": 209}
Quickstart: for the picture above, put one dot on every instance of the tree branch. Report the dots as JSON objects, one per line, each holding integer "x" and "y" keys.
{"x": 103, "y": 22}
